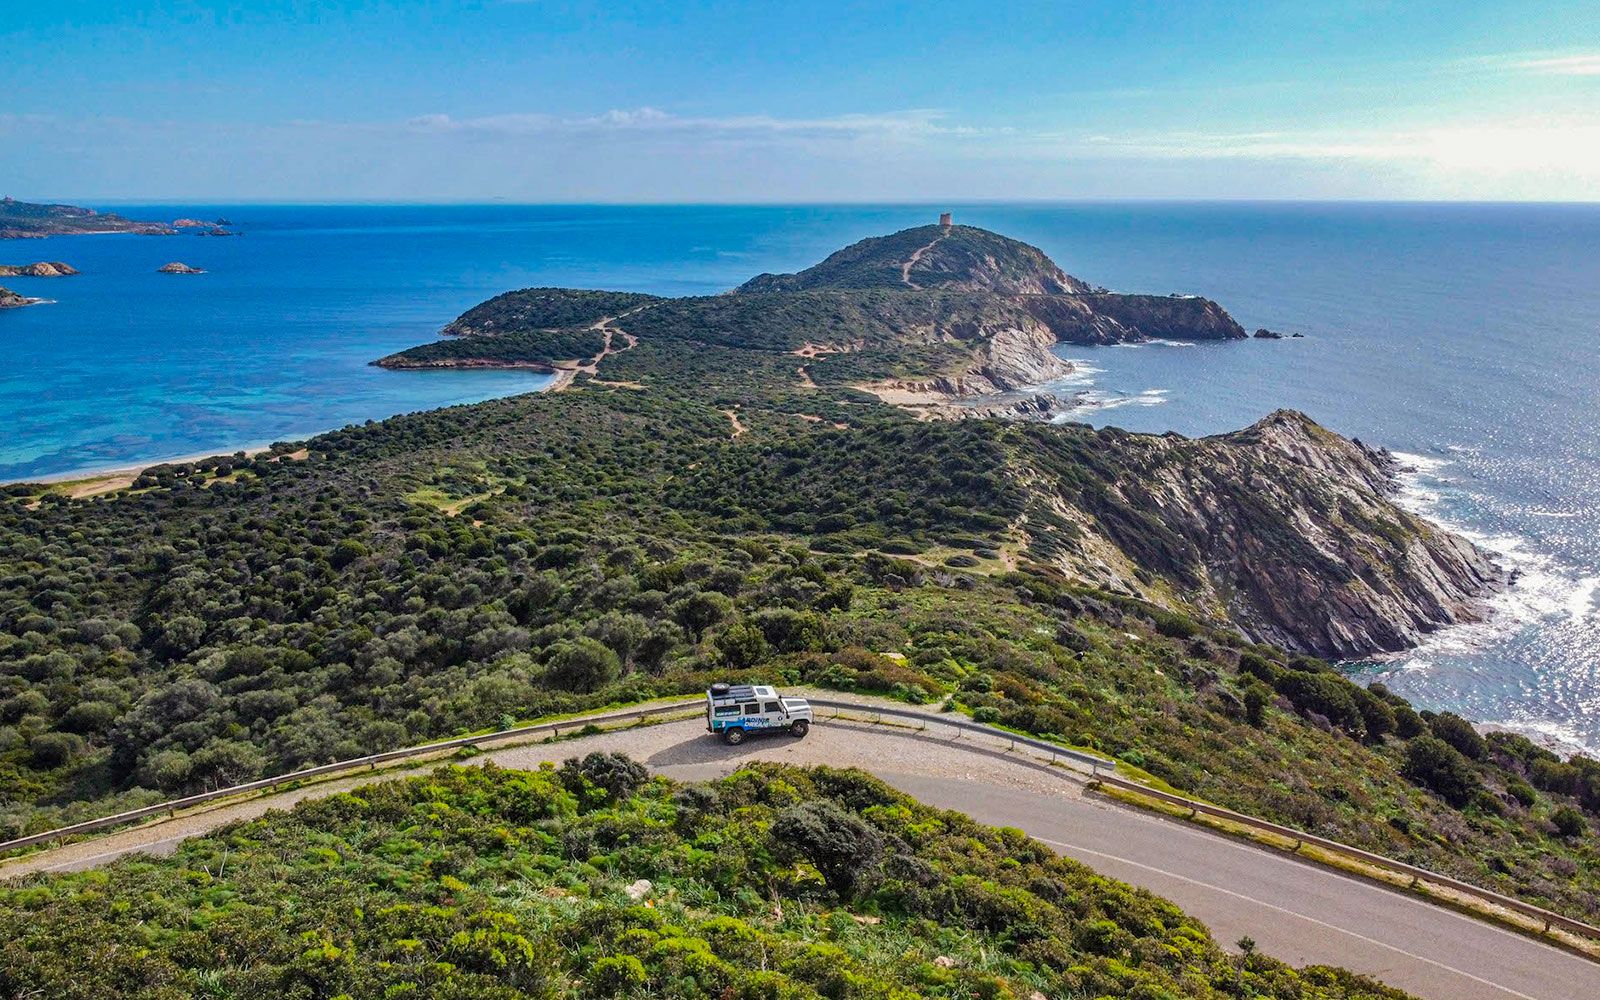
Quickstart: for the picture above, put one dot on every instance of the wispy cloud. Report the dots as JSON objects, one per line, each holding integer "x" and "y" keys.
{"x": 1579, "y": 65}
{"x": 912, "y": 123}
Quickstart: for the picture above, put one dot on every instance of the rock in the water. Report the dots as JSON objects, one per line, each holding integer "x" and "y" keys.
{"x": 1265, "y": 334}
{"x": 41, "y": 269}
{"x": 177, "y": 267}
{"x": 11, "y": 300}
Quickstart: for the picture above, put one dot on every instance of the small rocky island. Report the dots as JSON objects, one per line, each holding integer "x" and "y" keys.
{"x": 178, "y": 267}
{"x": 11, "y": 300}
{"x": 29, "y": 220}
{"x": 41, "y": 269}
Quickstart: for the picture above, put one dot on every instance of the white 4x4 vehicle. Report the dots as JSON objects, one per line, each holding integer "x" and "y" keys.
{"x": 736, "y": 711}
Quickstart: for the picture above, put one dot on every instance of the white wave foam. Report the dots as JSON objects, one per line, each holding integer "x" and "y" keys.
{"x": 1095, "y": 401}
{"x": 1553, "y": 736}
{"x": 1544, "y": 589}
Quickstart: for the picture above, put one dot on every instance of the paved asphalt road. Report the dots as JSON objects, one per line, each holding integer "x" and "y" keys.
{"x": 1295, "y": 911}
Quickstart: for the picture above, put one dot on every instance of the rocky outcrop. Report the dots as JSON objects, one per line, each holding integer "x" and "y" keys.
{"x": 1167, "y": 317}
{"x": 11, "y": 300}
{"x": 42, "y": 269}
{"x": 1286, "y": 529}
{"x": 1265, "y": 334}
{"x": 1013, "y": 358}
{"x": 179, "y": 268}
{"x": 1030, "y": 406}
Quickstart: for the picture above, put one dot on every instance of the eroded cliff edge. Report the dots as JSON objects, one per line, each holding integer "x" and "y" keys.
{"x": 1286, "y": 529}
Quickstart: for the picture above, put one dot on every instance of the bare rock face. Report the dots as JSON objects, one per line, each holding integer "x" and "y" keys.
{"x": 42, "y": 269}
{"x": 179, "y": 268}
{"x": 1284, "y": 528}
{"x": 1014, "y": 358}
{"x": 1168, "y": 317}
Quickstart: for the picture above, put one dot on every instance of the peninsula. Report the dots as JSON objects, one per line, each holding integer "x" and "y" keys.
{"x": 27, "y": 220}
{"x": 953, "y": 320}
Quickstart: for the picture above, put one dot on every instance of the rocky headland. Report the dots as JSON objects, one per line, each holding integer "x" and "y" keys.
{"x": 954, "y": 321}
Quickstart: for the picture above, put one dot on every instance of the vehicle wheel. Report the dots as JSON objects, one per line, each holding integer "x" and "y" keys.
{"x": 800, "y": 728}
{"x": 733, "y": 737}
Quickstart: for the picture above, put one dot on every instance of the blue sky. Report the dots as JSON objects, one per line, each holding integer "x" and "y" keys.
{"x": 479, "y": 100}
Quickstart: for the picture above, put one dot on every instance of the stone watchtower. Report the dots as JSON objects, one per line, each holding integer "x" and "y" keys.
{"x": 944, "y": 220}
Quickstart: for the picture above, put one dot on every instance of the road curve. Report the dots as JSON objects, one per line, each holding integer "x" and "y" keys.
{"x": 1294, "y": 910}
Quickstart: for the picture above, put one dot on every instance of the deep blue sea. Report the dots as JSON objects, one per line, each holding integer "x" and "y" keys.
{"x": 1464, "y": 337}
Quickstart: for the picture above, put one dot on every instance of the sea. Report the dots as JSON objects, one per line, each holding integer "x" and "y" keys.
{"x": 1462, "y": 337}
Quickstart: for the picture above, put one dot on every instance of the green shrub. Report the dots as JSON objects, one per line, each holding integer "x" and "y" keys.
{"x": 1459, "y": 733}
{"x": 842, "y": 847}
{"x": 1569, "y": 822}
{"x": 1440, "y": 768}
{"x": 614, "y": 775}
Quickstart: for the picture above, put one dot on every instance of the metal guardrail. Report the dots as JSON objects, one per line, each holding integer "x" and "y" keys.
{"x": 1096, "y": 764}
{"x": 1548, "y": 917}
{"x": 353, "y": 764}
{"x": 1101, "y": 769}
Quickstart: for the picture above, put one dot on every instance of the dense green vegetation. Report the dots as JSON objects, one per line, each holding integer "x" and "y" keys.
{"x": 591, "y": 882}
{"x": 466, "y": 568}
{"x": 543, "y": 309}
{"x": 530, "y": 347}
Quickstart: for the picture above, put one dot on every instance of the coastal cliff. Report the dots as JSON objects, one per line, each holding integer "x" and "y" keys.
{"x": 1285, "y": 529}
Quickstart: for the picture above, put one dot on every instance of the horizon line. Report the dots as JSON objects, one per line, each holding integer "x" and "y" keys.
{"x": 81, "y": 200}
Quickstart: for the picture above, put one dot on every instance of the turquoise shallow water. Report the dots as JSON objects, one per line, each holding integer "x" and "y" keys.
{"x": 1464, "y": 336}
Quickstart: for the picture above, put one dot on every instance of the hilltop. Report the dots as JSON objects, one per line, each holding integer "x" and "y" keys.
{"x": 952, "y": 258}
{"x": 23, "y": 220}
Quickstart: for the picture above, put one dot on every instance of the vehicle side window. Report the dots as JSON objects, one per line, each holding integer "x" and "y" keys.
{"x": 752, "y": 709}
{"x": 772, "y": 706}
{"x": 727, "y": 709}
